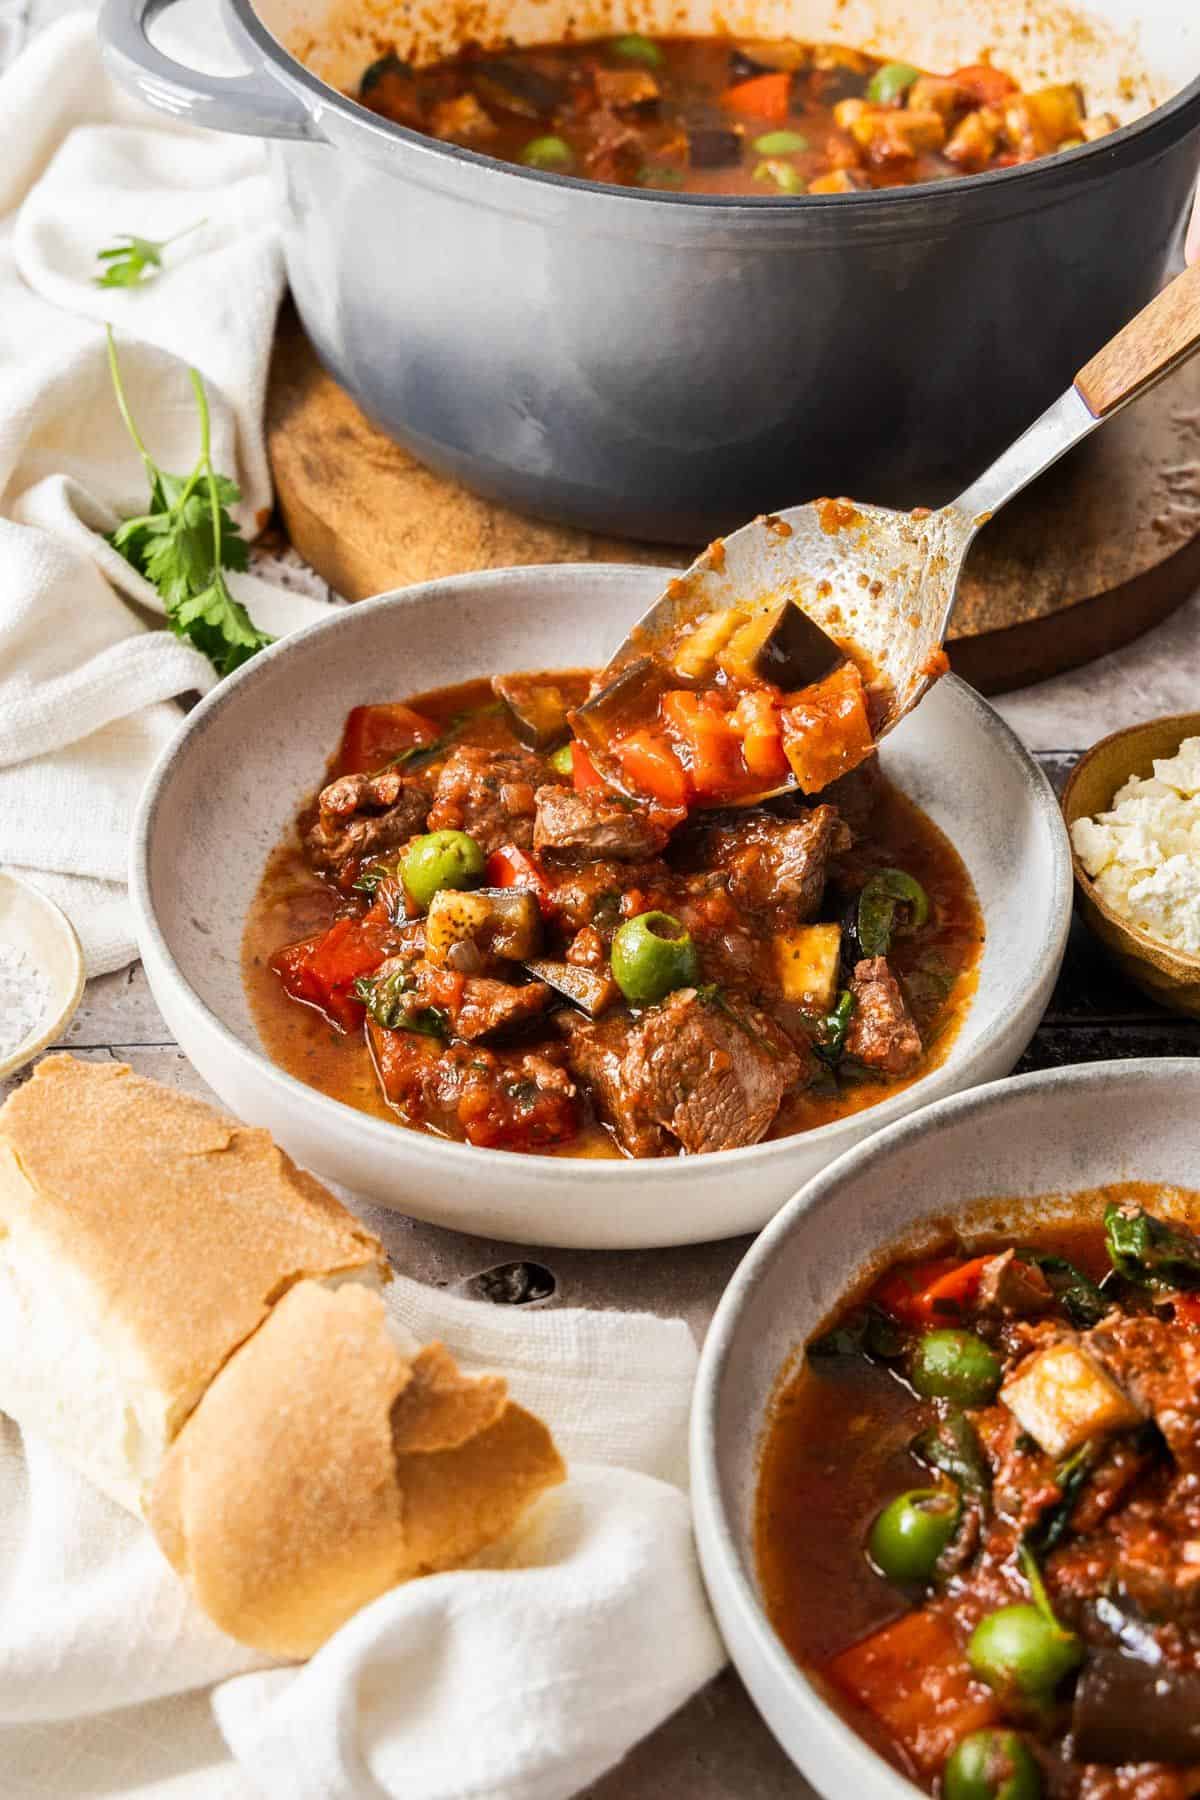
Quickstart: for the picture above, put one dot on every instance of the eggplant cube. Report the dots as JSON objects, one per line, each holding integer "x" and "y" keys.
{"x": 808, "y": 964}
{"x": 499, "y": 922}
{"x": 537, "y": 708}
{"x": 1062, "y": 1397}
{"x": 593, "y": 990}
{"x": 783, "y": 646}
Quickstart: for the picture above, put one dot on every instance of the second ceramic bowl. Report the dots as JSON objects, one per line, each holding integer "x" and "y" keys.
{"x": 230, "y": 785}
{"x": 1050, "y": 1135}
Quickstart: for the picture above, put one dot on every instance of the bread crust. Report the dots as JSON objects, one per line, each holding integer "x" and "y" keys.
{"x": 323, "y": 1466}
{"x": 140, "y": 1189}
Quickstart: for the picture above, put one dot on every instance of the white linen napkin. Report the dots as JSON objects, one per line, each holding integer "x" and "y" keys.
{"x": 87, "y": 688}
{"x": 520, "y": 1681}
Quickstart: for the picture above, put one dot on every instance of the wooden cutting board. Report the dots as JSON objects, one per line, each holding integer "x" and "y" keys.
{"x": 1103, "y": 547}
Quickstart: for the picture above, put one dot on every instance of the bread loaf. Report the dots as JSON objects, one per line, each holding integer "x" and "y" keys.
{"x": 196, "y": 1324}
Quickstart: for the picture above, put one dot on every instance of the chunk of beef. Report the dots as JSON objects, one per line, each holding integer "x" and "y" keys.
{"x": 362, "y": 816}
{"x": 1158, "y": 1366}
{"x": 882, "y": 1034}
{"x": 857, "y": 794}
{"x": 594, "y": 823}
{"x": 1009, "y": 1289}
{"x": 488, "y": 793}
{"x": 590, "y": 895}
{"x": 711, "y": 1072}
{"x": 769, "y": 861}
{"x": 615, "y": 150}
{"x": 596, "y": 1049}
{"x": 476, "y": 1006}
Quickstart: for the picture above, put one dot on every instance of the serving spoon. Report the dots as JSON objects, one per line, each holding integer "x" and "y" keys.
{"x": 884, "y": 583}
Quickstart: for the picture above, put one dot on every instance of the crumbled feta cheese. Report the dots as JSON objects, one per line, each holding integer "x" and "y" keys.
{"x": 1144, "y": 853}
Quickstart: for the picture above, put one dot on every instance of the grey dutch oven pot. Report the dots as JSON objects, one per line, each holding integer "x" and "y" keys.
{"x": 664, "y": 365}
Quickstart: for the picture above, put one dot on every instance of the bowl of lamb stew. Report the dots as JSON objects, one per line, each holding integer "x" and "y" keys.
{"x": 462, "y": 972}
{"x": 959, "y": 1529}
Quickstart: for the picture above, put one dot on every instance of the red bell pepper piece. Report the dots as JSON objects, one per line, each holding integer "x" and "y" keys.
{"x": 930, "y": 1293}
{"x": 583, "y": 770}
{"x": 376, "y": 735}
{"x": 913, "y": 1677}
{"x": 321, "y": 971}
{"x": 762, "y": 97}
{"x": 510, "y": 867}
{"x": 1187, "y": 1310}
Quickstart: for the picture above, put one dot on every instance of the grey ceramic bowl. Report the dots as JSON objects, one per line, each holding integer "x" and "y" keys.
{"x": 230, "y": 785}
{"x": 1053, "y": 1133}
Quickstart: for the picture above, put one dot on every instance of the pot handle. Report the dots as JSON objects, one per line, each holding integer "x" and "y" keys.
{"x": 252, "y": 104}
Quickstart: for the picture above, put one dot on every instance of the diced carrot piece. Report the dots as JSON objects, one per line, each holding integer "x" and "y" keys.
{"x": 711, "y": 751}
{"x": 583, "y": 769}
{"x": 322, "y": 971}
{"x": 375, "y": 735}
{"x": 986, "y": 85}
{"x": 826, "y": 731}
{"x": 649, "y": 763}
{"x": 762, "y": 97}
{"x": 926, "y": 1293}
{"x": 756, "y": 719}
{"x": 913, "y": 1677}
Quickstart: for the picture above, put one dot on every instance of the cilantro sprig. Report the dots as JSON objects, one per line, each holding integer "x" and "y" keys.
{"x": 185, "y": 541}
{"x": 133, "y": 260}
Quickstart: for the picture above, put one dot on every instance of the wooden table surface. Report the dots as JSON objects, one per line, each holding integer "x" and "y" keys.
{"x": 716, "y": 1748}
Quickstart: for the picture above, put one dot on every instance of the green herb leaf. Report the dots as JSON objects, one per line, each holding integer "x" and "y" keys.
{"x": 1053, "y": 1523}
{"x": 186, "y": 540}
{"x": 1075, "y": 1292}
{"x": 388, "y": 999}
{"x": 131, "y": 260}
{"x": 952, "y": 1445}
{"x": 837, "y": 1023}
{"x": 868, "y": 1333}
{"x": 1148, "y": 1251}
{"x": 877, "y": 905}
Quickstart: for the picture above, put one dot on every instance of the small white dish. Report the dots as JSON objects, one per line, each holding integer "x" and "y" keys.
{"x": 1054, "y": 1133}
{"x": 33, "y": 924}
{"x": 230, "y": 784}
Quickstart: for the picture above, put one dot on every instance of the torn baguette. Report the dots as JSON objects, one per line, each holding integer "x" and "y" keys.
{"x": 195, "y": 1324}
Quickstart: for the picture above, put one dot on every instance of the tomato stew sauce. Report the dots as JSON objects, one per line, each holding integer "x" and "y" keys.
{"x": 978, "y": 1517}
{"x": 715, "y": 115}
{"x": 470, "y": 933}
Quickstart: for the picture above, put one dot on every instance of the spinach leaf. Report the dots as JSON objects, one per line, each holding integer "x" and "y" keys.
{"x": 868, "y": 1333}
{"x": 952, "y": 1446}
{"x": 1072, "y": 1474}
{"x": 388, "y": 999}
{"x": 1148, "y": 1251}
{"x": 1075, "y": 1292}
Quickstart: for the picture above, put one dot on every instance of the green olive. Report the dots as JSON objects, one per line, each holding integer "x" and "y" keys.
{"x": 441, "y": 859}
{"x": 651, "y": 956}
{"x": 889, "y": 82}
{"x": 780, "y": 143}
{"x": 1019, "y": 1650}
{"x": 563, "y": 760}
{"x": 911, "y": 1532}
{"x": 955, "y": 1365}
{"x": 634, "y": 47}
{"x": 548, "y": 153}
{"x": 991, "y": 1765}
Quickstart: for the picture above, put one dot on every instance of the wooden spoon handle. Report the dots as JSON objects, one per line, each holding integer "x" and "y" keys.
{"x": 1163, "y": 335}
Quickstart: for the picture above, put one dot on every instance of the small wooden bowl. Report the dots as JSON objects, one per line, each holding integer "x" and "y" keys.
{"x": 1166, "y": 975}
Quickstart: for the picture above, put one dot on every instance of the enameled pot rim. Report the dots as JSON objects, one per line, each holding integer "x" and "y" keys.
{"x": 1031, "y": 183}
{"x": 473, "y": 1160}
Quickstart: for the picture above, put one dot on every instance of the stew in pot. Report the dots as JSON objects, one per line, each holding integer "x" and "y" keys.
{"x": 978, "y": 1518}
{"x": 718, "y": 115}
{"x": 472, "y": 932}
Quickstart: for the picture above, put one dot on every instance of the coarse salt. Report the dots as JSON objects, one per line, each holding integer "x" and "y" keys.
{"x": 24, "y": 998}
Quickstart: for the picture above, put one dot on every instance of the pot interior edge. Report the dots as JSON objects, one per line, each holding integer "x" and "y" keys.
{"x": 1129, "y": 56}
